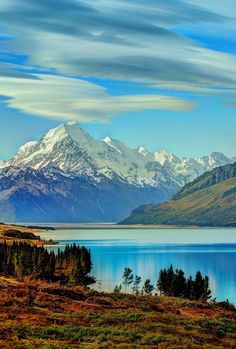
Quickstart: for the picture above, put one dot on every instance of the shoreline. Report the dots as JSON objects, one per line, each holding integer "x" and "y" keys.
{"x": 102, "y": 226}
{"x": 19, "y": 228}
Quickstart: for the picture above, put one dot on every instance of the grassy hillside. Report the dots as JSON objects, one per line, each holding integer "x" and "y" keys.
{"x": 10, "y": 233}
{"x": 44, "y": 315}
{"x": 208, "y": 201}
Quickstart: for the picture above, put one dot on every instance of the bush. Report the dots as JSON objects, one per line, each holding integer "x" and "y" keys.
{"x": 17, "y": 234}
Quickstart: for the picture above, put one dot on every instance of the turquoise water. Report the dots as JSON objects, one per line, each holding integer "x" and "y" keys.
{"x": 146, "y": 251}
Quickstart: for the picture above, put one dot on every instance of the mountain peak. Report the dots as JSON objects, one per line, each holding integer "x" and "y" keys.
{"x": 218, "y": 155}
{"x": 107, "y": 140}
{"x": 214, "y": 160}
{"x": 163, "y": 157}
{"x": 143, "y": 151}
{"x": 55, "y": 133}
{"x": 77, "y": 133}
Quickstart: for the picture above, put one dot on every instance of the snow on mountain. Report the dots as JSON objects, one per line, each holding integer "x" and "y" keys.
{"x": 214, "y": 160}
{"x": 3, "y": 164}
{"x": 191, "y": 168}
{"x": 72, "y": 150}
{"x": 166, "y": 158}
{"x": 143, "y": 151}
{"x": 107, "y": 140}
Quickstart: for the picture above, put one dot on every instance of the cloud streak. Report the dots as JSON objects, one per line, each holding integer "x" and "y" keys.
{"x": 66, "y": 98}
{"x": 130, "y": 40}
{"x": 120, "y": 40}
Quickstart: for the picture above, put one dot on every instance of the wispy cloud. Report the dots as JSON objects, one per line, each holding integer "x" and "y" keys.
{"x": 75, "y": 99}
{"x": 121, "y": 40}
{"x": 132, "y": 40}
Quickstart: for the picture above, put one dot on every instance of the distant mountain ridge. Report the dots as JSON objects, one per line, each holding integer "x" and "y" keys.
{"x": 117, "y": 178}
{"x": 71, "y": 149}
{"x": 210, "y": 200}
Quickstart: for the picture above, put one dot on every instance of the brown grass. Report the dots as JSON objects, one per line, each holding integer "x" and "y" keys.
{"x": 45, "y": 315}
{"x": 9, "y": 240}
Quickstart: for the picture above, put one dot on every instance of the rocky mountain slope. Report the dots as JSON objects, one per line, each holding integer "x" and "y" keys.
{"x": 68, "y": 175}
{"x": 50, "y": 195}
{"x": 210, "y": 200}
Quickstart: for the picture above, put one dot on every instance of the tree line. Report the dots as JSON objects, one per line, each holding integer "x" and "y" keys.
{"x": 73, "y": 266}
{"x": 69, "y": 266}
{"x": 170, "y": 282}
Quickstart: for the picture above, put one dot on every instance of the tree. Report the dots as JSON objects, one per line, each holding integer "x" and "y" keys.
{"x": 147, "y": 287}
{"x": 165, "y": 283}
{"x": 70, "y": 265}
{"x": 161, "y": 282}
{"x": 128, "y": 277}
{"x": 179, "y": 284}
{"x": 198, "y": 286}
{"x": 117, "y": 289}
{"x": 175, "y": 284}
{"x": 170, "y": 281}
{"x": 206, "y": 291}
{"x": 188, "y": 292}
{"x": 136, "y": 284}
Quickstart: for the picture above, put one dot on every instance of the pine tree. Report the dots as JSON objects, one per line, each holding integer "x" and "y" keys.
{"x": 170, "y": 281}
{"x": 179, "y": 283}
{"x": 128, "y": 277}
{"x": 147, "y": 287}
{"x": 198, "y": 286}
{"x": 22, "y": 259}
{"x": 136, "y": 284}
{"x": 161, "y": 282}
{"x": 188, "y": 292}
{"x": 206, "y": 291}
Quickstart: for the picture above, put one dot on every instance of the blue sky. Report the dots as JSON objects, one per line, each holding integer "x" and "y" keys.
{"x": 156, "y": 73}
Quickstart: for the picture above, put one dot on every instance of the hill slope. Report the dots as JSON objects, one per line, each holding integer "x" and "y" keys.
{"x": 44, "y": 315}
{"x": 210, "y": 200}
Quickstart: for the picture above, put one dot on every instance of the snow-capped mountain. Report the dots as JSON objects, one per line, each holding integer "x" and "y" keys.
{"x": 214, "y": 160}
{"x": 190, "y": 168}
{"x": 72, "y": 150}
{"x": 68, "y": 175}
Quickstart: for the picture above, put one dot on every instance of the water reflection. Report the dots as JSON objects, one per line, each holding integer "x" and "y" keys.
{"x": 213, "y": 254}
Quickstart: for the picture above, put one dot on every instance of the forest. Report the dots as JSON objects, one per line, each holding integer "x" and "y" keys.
{"x": 71, "y": 266}
{"x": 172, "y": 283}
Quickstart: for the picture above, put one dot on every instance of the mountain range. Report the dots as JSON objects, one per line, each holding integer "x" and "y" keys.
{"x": 210, "y": 200}
{"x": 68, "y": 176}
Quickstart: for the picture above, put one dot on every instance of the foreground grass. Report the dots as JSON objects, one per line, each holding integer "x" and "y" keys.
{"x": 42, "y": 315}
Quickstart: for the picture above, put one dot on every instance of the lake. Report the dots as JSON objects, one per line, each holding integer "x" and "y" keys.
{"x": 146, "y": 251}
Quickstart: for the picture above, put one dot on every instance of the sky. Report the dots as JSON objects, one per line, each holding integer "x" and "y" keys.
{"x": 155, "y": 73}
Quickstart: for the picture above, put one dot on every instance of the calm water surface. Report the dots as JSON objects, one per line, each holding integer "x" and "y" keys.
{"x": 146, "y": 251}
